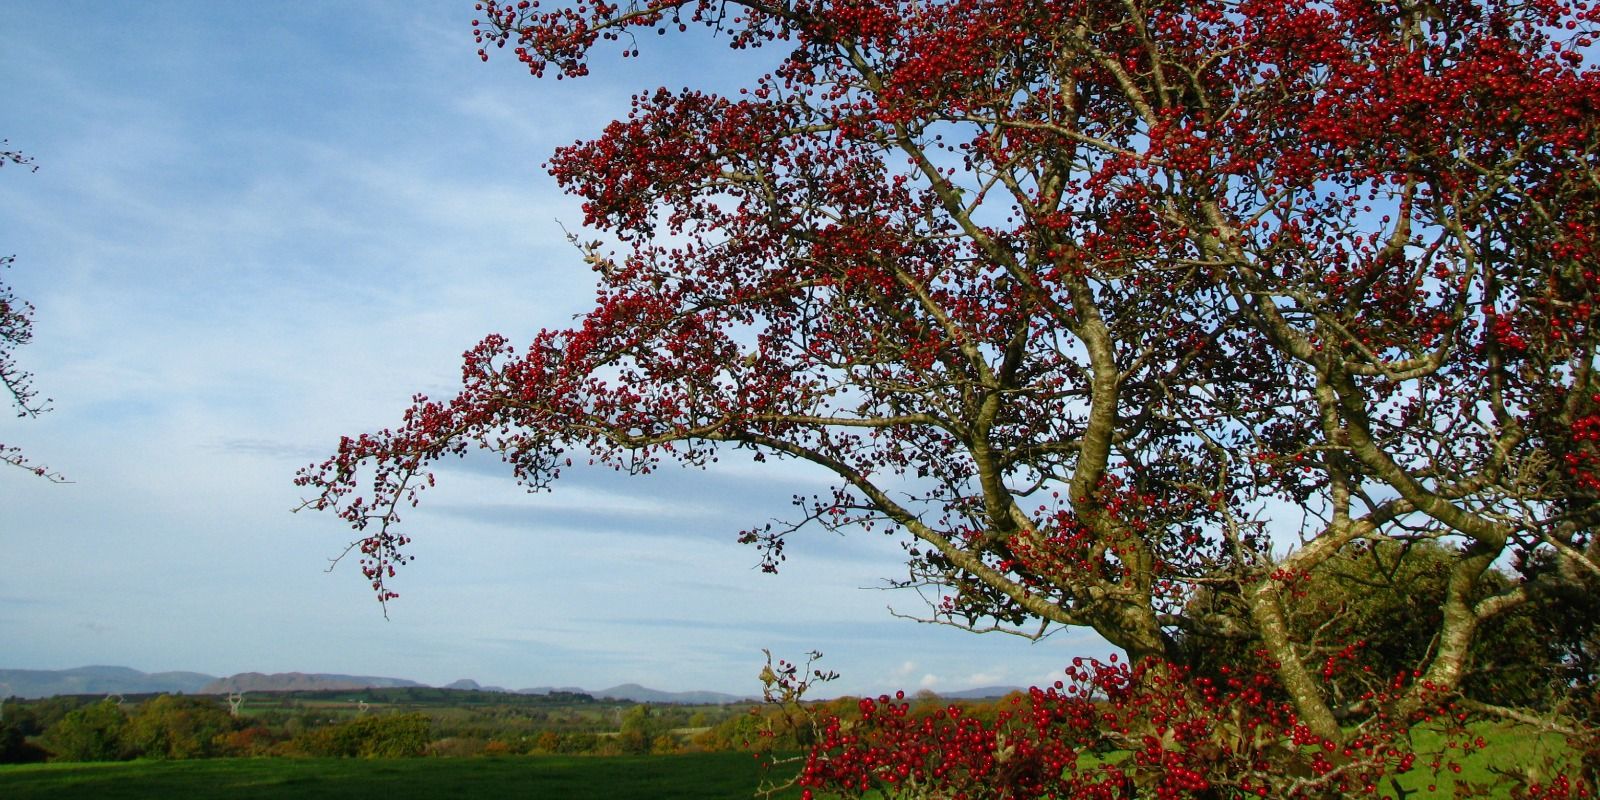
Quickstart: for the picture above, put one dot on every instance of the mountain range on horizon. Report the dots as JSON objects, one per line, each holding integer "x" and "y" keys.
{"x": 31, "y": 684}
{"x": 37, "y": 683}
{"x": 34, "y": 683}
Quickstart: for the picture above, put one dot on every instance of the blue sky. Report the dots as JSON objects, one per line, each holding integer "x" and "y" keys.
{"x": 255, "y": 229}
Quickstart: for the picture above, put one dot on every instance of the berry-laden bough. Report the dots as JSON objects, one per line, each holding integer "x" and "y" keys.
{"x": 1132, "y": 315}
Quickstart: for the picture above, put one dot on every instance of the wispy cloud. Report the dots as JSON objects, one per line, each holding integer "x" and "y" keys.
{"x": 253, "y": 234}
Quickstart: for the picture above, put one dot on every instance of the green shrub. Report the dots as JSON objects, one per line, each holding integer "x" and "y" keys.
{"x": 91, "y": 733}
{"x": 173, "y": 727}
{"x": 393, "y": 736}
{"x": 15, "y": 747}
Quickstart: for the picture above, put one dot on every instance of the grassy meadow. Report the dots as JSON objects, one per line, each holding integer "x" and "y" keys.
{"x": 710, "y": 776}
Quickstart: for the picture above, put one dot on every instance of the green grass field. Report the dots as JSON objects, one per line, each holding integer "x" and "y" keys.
{"x": 704, "y": 775}
{"x": 708, "y": 775}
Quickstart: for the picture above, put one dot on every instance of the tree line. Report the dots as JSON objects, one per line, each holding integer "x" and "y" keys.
{"x": 181, "y": 727}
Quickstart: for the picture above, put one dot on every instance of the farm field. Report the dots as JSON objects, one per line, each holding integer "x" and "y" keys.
{"x": 704, "y": 775}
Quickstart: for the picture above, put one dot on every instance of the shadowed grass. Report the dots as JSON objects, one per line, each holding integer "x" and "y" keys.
{"x": 705, "y": 775}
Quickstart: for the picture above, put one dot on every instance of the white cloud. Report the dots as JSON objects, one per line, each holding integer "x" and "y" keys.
{"x": 989, "y": 677}
{"x": 240, "y": 253}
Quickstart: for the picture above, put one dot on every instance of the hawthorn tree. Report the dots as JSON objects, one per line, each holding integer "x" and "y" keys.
{"x": 1099, "y": 304}
{"x": 16, "y": 330}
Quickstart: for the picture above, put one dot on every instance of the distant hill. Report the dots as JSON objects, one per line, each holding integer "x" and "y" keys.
{"x": 982, "y": 693}
{"x": 34, "y": 683}
{"x": 470, "y": 685}
{"x": 31, "y": 684}
{"x": 299, "y": 682}
{"x": 640, "y": 694}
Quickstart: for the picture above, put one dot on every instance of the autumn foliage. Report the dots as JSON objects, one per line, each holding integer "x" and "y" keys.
{"x": 16, "y": 330}
{"x": 1173, "y": 736}
{"x": 1134, "y": 315}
